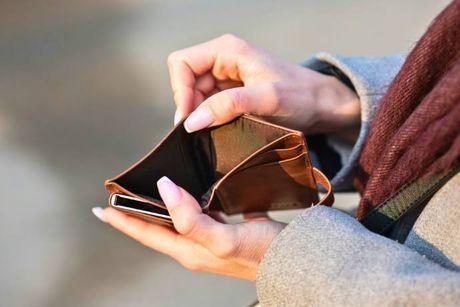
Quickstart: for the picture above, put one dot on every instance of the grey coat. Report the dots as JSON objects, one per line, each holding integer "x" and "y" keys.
{"x": 326, "y": 258}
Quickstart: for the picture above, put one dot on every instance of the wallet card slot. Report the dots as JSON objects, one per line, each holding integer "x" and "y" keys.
{"x": 200, "y": 161}
{"x": 271, "y": 186}
{"x": 302, "y": 156}
{"x": 236, "y": 141}
{"x": 265, "y": 154}
{"x": 286, "y": 142}
{"x": 275, "y": 155}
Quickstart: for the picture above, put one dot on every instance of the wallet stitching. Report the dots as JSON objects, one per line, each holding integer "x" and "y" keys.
{"x": 272, "y": 126}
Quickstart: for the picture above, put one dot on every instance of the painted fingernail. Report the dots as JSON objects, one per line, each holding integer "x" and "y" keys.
{"x": 99, "y": 213}
{"x": 177, "y": 117}
{"x": 169, "y": 192}
{"x": 199, "y": 119}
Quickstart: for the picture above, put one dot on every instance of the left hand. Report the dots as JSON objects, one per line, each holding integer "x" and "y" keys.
{"x": 199, "y": 242}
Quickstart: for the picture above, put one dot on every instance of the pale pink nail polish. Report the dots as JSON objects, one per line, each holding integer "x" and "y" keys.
{"x": 169, "y": 192}
{"x": 99, "y": 213}
{"x": 199, "y": 119}
{"x": 177, "y": 117}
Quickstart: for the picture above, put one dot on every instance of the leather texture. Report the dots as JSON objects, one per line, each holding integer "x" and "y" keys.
{"x": 246, "y": 165}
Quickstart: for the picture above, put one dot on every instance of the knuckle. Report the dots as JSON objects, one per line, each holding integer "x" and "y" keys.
{"x": 188, "y": 226}
{"x": 173, "y": 58}
{"x": 238, "y": 101}
{"x": 274, "y": 91}
{"x": 225, "y": 249}
{"x": 229, "y": 37}
{"x": 236, "y": 43}
{"x": 192, "y": 265}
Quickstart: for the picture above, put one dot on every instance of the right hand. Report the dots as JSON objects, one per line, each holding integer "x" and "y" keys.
{"x": 221, "y": 79}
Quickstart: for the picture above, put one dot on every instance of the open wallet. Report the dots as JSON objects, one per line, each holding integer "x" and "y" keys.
{"x": 246, "y": 165}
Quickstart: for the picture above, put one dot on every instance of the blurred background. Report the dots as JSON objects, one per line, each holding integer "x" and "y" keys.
{"x": 84, "y": 92}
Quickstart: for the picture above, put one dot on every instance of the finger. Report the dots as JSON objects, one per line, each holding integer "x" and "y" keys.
{"x": 226, "y": 105}
{"x": 205, "y": 83}
{"x": 256, "y": 216}
{"x": 219, "y": 55}
{"x": 213, "y": 92}
{"x": 160, "y": 238}
{"x": 190, "y": 221}
{"x": 198, "y": 98}
{"x": 225, "y": 85}
{"x": 203, "y": 87}
{"x": 183, "y": 66}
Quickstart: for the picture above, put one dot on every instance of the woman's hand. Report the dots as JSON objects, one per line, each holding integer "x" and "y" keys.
{"x": 200, "y": 243}
{"x": 219, "y": 80}
{"x": 227, "y": 76}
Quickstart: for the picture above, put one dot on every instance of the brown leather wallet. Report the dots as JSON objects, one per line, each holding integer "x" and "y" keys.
{"x": 246, "y": 165}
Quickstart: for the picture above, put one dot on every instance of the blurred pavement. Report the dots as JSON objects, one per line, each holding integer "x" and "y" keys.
{"x": 84, "y": 92}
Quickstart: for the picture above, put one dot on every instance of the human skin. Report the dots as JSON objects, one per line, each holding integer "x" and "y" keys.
{"x": 213, "y": 83}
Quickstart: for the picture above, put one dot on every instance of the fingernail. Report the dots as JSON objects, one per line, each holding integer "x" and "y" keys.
{"x": 99, "y": 213}
{"x": 177, "y": 117}
{"x": 199, "y": 119}
{"x": 169, "y": 192}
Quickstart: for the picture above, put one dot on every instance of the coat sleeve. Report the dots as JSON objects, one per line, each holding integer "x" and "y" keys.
{"x": 370, "y": 78}
{"x": 325, "y": 257}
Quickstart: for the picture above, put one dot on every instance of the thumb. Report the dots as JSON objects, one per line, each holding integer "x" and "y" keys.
{"x": 190, "y": 221}
{"x": 228, "y": 104}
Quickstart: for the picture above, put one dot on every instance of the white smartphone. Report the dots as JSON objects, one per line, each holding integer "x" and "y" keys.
{"x": 133, "y": 204}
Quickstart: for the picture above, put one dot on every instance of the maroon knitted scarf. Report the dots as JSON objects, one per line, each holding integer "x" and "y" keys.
{"x": 416, "y": 130}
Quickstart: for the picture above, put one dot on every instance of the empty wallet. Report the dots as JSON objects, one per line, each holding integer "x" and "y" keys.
{"x": 246, "y": 165}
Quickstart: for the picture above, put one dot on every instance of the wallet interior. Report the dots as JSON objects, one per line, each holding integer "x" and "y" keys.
{"x": 197, "y": 161}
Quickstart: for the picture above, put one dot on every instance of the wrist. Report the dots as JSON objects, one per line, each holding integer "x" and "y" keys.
{"x": 338, "y": 106}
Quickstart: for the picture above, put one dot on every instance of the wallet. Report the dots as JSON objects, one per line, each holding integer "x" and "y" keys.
{"x": 246, "y": 165}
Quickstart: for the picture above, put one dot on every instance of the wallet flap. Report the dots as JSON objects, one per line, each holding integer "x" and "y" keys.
{"x": 244, "y": 165}
{"x": 196, "y": 161}
{"x": 237, "y": 140}
{"x": 172, "y": 157}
